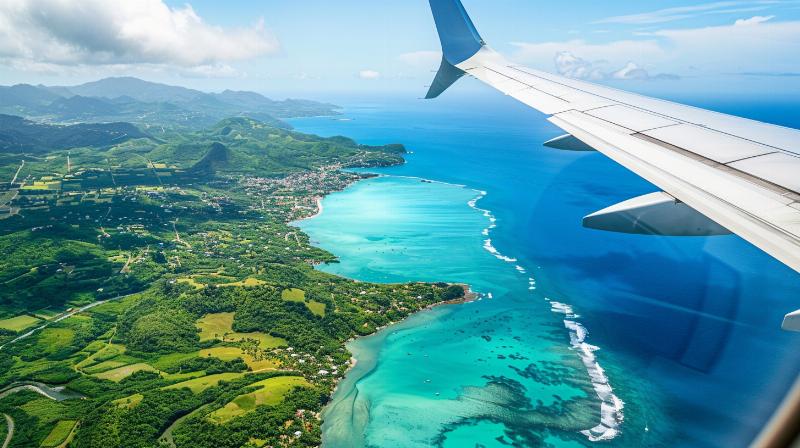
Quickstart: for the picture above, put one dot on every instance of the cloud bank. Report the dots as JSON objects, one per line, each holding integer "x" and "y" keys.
{"x": 67, "y": 33}
{"x": 756, "y": 44}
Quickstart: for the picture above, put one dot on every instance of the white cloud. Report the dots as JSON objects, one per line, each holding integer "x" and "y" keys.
{"x": 101, "y": 32}
{"x": 369, "y": 74}
{"x": 753, "y": 20}
{"x": 752, "y": 45}
{"x": 569, "y": 65}
{"x": 572, "y": 66}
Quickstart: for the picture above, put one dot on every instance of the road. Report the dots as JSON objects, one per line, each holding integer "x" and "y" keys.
{"x": 64, "y": 316}
{"x": 10, "y": 434}
{"x": 14, "y": 179}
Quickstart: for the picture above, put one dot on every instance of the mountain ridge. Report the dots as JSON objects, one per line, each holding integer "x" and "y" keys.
{"x": 147, "y": 103}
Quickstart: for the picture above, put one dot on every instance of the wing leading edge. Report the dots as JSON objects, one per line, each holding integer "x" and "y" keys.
{"x": 717, "y": 172}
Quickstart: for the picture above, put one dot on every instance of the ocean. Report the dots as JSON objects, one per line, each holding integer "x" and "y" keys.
{"x": 580, "y": 337}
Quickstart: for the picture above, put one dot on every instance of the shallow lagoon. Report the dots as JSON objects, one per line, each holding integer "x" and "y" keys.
{"x": 497, "y": 370}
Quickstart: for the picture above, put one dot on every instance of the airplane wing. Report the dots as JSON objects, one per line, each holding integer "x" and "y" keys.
{"x": 717, "y": 173}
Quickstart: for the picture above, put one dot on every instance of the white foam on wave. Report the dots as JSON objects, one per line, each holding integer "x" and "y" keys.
{"x": 611, "y": 406}
{"x": 487, "y": 243}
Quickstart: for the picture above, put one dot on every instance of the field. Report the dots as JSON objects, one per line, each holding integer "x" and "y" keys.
{"x": 129, "y": 402}
{"x": 272, "y": 392}
{"x": 248, "y": 282}
{"x": 198, "y": 385}
{"x": 294, "y": 295}
{"x": 19, "y": 323}
{"x": 59, "y": 434}
{"x": 54, "y": 339}
{"x": 121, "y": 373}
{"x": 298, "y": 295}
{"x": 218, "y": 326}
{"x": 231, "y": 353}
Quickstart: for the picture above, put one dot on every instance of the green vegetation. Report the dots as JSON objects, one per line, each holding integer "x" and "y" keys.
{"x": 198, "y": 385}
{"x": 299, "y": 296}
{"x": 129, "y": 402}
{"x": 60, "y": 433}
{"x": 219, "y": 326}
{"x": 271, "y": 392}
{"x": 121, "y": 373}
{"x": 19, "y": 323}
{"x": 192, "y": 310}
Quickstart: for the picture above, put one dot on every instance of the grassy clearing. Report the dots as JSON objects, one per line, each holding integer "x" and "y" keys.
{"x": 172, "y": 360}
{"x": 182, "y": 376}
{"x": 198, "y": 385}
{"x": 192, "y": 282}
{"x": 271, "y": 393}
{"x": 19, "y": 323}
{"x": 219, "y": 326}
{"x": 105, "y": 357}
{"x": 59, "y": 434}
{"x": 47, "y": 314}
{"x": 248, "y": 282}
{"x": 231, "y": 353}
{"x": 129, "y": 402}
{"x": 316, "y": 307}
{"x": 298, "y": 295}
{"x": 45, "y": 410}
{"x": 55, "y": 338}
{"x": 103, "y": 367}
{"x": 119, "y": 374}
{"x": 215, "y": 326}
{"x": 293, "y": 295}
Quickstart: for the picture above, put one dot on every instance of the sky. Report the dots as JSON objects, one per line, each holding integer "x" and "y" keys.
{"x": 310, "y": 47}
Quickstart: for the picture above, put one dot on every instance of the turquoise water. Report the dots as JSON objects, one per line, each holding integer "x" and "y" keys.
{"x": 498, "y": 370}
{"x": 687, "y": 329}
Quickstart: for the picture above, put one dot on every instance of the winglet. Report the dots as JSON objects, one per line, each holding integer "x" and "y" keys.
{"x": 460, "y": 41}
{"x": 445, "y": 77}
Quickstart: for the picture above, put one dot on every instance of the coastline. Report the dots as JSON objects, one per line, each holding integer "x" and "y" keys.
{"x": 365, "y": 353}
{"x": 364, "y": 349}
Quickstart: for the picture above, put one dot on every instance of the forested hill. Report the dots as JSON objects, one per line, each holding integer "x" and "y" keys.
{"x": 18, "y": 135}
{"x": 149, "y": 104}
{"x": 234, "y": 146}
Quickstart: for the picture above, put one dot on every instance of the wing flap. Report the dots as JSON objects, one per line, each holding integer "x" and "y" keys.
{"x": 778, "y": 168}
{"x": 714, "y": 145}
{"x": 634, "y": 119}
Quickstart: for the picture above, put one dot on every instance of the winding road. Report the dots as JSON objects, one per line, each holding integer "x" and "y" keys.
{"x": 64, "y": 316}
{"x": 10, "y": 433}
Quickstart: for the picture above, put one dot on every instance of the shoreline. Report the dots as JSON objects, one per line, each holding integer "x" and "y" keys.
{"x": 469, "y": 294}
{"x": 365, "y": 352}
{"x": 343, "y": 411}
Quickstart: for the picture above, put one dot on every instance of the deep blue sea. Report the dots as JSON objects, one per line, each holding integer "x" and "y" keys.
{"x": 651, "y": 341}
